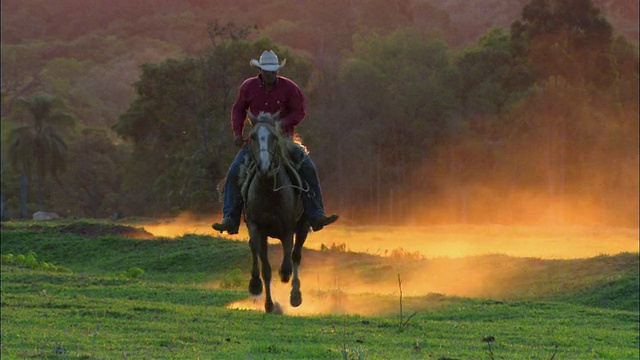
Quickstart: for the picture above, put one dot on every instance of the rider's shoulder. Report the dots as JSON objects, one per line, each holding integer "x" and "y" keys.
{"x": 288, "y": 84}
{"x": 286, "y": 80}
{"x": 252, "y": 81}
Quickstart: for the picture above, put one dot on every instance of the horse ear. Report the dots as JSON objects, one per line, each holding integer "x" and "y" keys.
{"x": 276, "y": 116}
{"x": 252, "y": 118}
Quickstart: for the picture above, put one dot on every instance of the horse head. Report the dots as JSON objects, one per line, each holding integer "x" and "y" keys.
{"x": 265, "y": 140}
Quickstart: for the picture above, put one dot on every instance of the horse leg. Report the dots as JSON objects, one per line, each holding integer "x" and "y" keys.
{"x": 266, "y": 274}
{"x": 255, "y": 284}
{"x": 295, "y": 297}
{"x": 285, "y": 268}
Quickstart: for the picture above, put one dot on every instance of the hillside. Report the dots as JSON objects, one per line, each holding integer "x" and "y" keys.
{"x": 70, "y": 19}
{"x": 99, "y": 46}
{"x": 440, "y": 96}
{"x": 472, "y": 19}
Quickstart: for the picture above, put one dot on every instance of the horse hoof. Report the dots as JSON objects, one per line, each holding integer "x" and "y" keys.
{"x": 285, "y": 276}
{"x": 255, "y": 286}
{"x": 296, "y": 298}
{"x": 277, "y": 309}
{"x": 270, "y": 307}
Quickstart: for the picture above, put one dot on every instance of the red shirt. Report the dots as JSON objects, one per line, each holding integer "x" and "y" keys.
{"x": 285, "y": 96}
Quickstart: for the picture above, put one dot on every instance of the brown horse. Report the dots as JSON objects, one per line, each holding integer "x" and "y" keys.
{"x": 273, "y": 207}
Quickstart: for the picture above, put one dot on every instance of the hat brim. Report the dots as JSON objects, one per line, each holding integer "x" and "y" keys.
{"x": 270, "y": 67}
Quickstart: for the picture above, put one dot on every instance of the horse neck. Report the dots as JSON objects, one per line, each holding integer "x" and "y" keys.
{"x": 274, "y": 180}
{"x": 274, "y": 173}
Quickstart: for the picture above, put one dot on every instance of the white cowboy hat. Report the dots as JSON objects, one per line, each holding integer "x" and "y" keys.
{"x": 268, "y": 62}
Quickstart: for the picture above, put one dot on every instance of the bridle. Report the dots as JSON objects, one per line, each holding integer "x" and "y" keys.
{"x": 275, "y": 155}
{"x": 274, "y": 165}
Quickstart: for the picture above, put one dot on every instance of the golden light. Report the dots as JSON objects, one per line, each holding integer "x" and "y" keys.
{"x": 457, "y": 260}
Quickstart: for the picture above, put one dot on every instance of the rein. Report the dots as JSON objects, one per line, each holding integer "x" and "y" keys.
{"x": 278, "y": 157}
{"x": 298, "y": 180}
{"x": 273, "y": 172}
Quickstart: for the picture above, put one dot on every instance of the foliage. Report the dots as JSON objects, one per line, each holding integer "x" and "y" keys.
{"x": 564, "y": 38}
{"x": 134, "y": 272}
{"x": 401, "y": 254}
{"x": 492, "y": 78}
{"x": 39, "y": 144}
{"x": 334, "y": 247}
{"x": 433, "y": 104}
{"x": 92, "y": 183}
{"x": 178, "y": 125}
{"x": 23, "y": 78}
{"x": 391, "y": 120}
{"x": 30, "y": 261}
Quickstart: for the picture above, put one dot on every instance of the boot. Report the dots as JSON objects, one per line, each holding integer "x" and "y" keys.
{"x": 323, "y": 220}
{"x": 312, "y": 200}
{"x": 226, "y": 225}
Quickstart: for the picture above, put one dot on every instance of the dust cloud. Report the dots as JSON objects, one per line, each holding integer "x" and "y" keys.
{"x": 452, "y": 241}
{"x": 358, "y": 263}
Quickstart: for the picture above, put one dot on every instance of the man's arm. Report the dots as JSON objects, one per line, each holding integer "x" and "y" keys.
{"x": 296, "y": 109}
{"x": 239, "y": 111}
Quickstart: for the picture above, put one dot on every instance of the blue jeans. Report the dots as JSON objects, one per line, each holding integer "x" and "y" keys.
{"x": 232, "y": 202}
{"x": 312, "y": 200}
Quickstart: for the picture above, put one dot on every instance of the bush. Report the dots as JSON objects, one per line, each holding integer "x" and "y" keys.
{"x": 334, "y": 248}
{"x": 30, "y": 261}
{"x": 134, "y": 272}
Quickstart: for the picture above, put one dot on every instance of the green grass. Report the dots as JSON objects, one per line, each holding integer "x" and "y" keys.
{"x": 577, "y": 309}
{"x": 188, "y": 258}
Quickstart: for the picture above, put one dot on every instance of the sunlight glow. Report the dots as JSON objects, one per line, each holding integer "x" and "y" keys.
{"x": 454, "y": 260}
{"x": 454, "y": 241}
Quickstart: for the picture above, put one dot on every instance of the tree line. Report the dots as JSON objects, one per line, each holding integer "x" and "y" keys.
{"x": 535, "y": 123}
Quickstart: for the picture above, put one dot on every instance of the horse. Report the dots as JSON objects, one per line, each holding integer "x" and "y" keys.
{"x": 272, "y": 192}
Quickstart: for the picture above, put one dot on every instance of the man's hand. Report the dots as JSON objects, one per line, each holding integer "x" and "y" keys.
{"x": 239, "y": 141}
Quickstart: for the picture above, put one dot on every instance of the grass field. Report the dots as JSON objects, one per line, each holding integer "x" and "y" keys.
{"x": 99, "y": 290}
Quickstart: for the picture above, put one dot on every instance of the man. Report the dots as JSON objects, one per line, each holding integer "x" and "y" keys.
{"x": 270, "y": 92}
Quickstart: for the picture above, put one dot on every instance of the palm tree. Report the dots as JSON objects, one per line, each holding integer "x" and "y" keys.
{"x": 39, "y": 143}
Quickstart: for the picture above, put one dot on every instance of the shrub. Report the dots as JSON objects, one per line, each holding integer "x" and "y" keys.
{"x": 134, "y": 272}
{"x": 30, "y": 261}
{"x": 334, "y": 248}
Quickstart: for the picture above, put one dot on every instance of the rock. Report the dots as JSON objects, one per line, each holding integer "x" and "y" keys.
{"x": 41, "y": 215}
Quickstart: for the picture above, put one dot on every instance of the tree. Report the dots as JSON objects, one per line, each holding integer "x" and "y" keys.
{"x": 385, "y": 16}
{"x": 179, "y": 122}
{"x": 21, "y": 69}
{"x": 93, "y": 180}
{"x": 40, "y": 145}
{"x": 400, "y": 94}
{"x": 568, "y": 38}
{"x": 492, "y": 75}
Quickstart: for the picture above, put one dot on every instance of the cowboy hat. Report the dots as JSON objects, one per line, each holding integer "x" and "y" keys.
{"x": 268, "y": 62}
